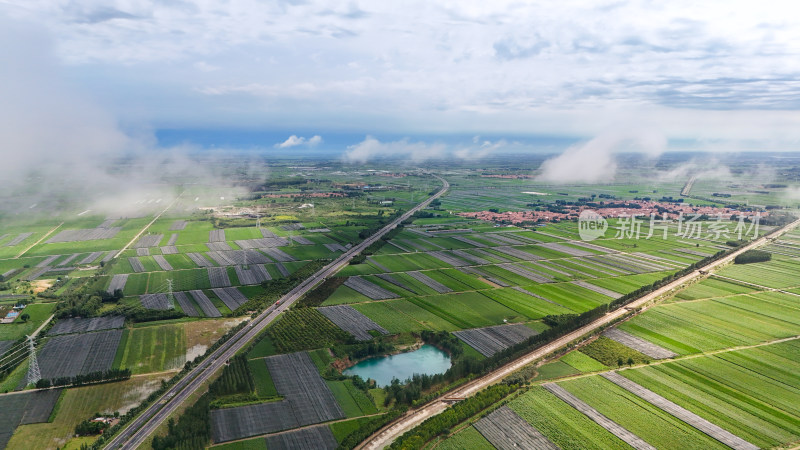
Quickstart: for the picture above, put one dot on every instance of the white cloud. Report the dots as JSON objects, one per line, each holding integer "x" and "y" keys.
{"x": 294, "y": 141}
{"x": 594, "y": 161}
{"x": 469, "y": 66}
{"x": 416, "y": 152}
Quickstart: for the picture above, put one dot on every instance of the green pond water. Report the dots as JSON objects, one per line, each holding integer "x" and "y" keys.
{"x": 427, "y": 360}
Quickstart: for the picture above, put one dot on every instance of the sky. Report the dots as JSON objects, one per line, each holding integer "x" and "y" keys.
{"x": 462, "y": 78}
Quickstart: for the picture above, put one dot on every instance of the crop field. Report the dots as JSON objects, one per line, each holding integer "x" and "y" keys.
{"x": 505, "y": 429}
{"x": 185, "y": 303}
{"x": 307, "y": 400}
{"x": 491, "y": 340}
{"x": 778, "y": 273}
{"x": 392, "y": 313}
{"x": 713, "y": 287}
{"x": 304, "y": 329}
{"x": 469, "y": 438}
{"x": 230, "y": 296}
{"x": 650, "y": 423}
{"x": 368, "y": 289}
{"x": 562, "y": 424}
{"x": 78, "y": 404}
{"x": 352, "y": 321}
{"x": 23, "y": 409}
{"x": 354, "y": 402}
{"x": 69, "y": 326}
{"x": 467, "y": 310}
{"x": 638, "y": 344}
{"x": 312, "y": 438}
{"x": 154, "y": 348}
{"x": 525, "y": 302}
{"x": 582, "y": 362}
{"x": 156, "y": 301}
{"x": 750, "y": 393}
{"x": 218, "y": 277}
{"x": 703, "y": 325}
{"x": 570, "y": 296}
{"x": 205, "y": 303}
{"x": 78, "y": 354}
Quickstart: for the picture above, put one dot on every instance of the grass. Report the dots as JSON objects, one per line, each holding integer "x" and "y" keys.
{"x": 343, "y": 429}
{"x": 468, "y": 310}
{"x": 749, "y": 417}
{"x": 528, "y": 305}
{"x": 155, "y": 349}
{"x": 553, "y": 370}
{"x": 353, "y": 401}
{"x": 123, "y": 344}
{"x": 562, "y": 424}
{"x": 647, "y": 421}
{"x": 79, "y": 404}
{"x": 703, "y": 325}
{"x": 262, "y": 379}
{"x": 467, "y": 438}
{"x": 264, "y": 347}
{"x": 18, "y": 329}
{"x": 321, "y": 358}
{"x": 389, "y": 318}
{"x": 609, "y": 352}
{"x": 583, "y": 362}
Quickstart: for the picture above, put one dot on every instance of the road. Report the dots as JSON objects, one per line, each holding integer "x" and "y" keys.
{"x": 136, "y": 238}
{"x": 385, "y": 436}
{"x": 148, "y": 421}
{"x": 40, "y": 240}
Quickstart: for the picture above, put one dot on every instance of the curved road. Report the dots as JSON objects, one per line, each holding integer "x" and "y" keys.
{"x": 146, "y": 423}
{"x": 385, "y": 436}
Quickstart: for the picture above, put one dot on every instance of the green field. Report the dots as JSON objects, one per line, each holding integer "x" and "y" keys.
{"x": 18, "y": 329}
{"x": 155, "y": 348}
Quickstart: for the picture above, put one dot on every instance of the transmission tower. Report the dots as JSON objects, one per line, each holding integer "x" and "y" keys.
{"x": 170, "y": 296}
{"x": 33, "y": 369}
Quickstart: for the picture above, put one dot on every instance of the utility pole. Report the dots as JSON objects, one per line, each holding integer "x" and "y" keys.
{"x": 33, "y": 368}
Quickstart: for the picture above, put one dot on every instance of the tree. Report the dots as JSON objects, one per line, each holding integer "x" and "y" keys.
{"x": 25, "y": 317}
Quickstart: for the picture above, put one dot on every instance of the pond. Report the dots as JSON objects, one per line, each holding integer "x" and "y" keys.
{"x": 427, "y": 360}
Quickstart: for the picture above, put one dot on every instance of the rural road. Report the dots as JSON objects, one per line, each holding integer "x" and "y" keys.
{"x": 385, "y": 436}
{"x": 149, "y": 420}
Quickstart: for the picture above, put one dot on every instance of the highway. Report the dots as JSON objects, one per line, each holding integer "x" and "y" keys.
{"x": 149, "y": 420}
{"x": 385, "y": 436}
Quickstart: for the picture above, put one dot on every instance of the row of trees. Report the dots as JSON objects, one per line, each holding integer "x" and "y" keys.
{"x": 89, "y": 378}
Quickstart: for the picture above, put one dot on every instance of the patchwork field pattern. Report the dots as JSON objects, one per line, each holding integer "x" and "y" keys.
{"x": 352, "y": 321}
{"x": 78, "y": 354}
{"x": 307, "y": 400}
{"x": 69, "y": 326}
{"x": 491, "y": 340}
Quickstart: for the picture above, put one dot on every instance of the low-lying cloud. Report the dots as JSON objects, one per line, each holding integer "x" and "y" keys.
{"x": 371, "y": 149}
{"x": 595, "y": 161}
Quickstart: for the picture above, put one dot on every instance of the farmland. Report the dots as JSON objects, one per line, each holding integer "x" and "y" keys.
{"x": 710, "y": 367}
{"x": 469, "y": 286}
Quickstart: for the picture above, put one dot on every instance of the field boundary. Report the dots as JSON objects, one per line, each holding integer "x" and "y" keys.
{"x": 386, "y": 435}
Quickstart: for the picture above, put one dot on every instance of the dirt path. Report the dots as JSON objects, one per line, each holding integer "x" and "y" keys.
{"x": 388, "y": 434}
{"x": 136, "y": 238}
{"x": 40, "y": 240}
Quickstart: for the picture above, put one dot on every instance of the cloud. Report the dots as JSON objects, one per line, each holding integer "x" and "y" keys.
{"x": 416, "y": 152}
{"x": 500, "y": 68}
{"x": 594, "y": 161}
{"x": 371, "y": 148}
{"x": 61, "y": 149}
{"x": 294, "y": 141}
